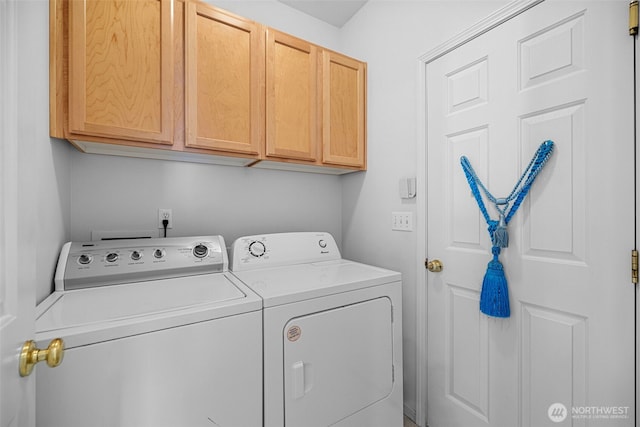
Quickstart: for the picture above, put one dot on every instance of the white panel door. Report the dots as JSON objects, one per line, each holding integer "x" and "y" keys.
{"x": 559, "y": 71}
{"x": 17, "y": 275}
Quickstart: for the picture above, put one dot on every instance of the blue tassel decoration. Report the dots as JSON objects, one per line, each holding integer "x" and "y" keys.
{"x": 494, "y": 298}
{"x": 500, "y": 236}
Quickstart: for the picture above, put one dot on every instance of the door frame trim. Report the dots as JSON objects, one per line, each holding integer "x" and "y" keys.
{"x": 492, "y": 21}
{"x": 15, "y": 391}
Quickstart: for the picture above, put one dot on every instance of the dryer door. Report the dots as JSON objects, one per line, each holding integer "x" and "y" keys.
{"x": 337, "y": 362}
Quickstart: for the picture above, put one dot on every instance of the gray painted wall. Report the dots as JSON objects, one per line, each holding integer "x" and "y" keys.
{"x": 48, "y": 194}
{"x": 120, "y": 193}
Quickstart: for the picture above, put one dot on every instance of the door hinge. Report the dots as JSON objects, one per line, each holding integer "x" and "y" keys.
{"x": 633, "y": 18}
{"x": 634, "y": 266}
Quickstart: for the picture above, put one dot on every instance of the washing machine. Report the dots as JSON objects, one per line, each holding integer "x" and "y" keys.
{"x": 157, "y": 333}
{"x": 332, "y": 332}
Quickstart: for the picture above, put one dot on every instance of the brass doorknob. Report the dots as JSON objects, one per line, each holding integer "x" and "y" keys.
{"x": 30, "y": 355}
{"x": 434, "y": 266}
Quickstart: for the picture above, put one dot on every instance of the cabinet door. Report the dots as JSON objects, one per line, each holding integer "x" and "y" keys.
{"x": 224, "y": 87}
{"x": 344, "y": 110}
{"x": 292, "y": 98}
{"x": 121, "y": 69}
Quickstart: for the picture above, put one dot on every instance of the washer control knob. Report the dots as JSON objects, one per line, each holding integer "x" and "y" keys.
{"x": 85, "y": 259}
{"x": 257, "y": 249}
{"x": 158, "y": 253}
{"x": 322, "y": 243}
{"x": 200, "y": 250}
{"x": 136, "y": 255}
{"x": 112, "y": 257}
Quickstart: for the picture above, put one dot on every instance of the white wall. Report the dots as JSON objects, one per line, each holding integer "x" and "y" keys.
{"x": 120, "y": 193}
{"x": 284, "y": 18}
{"x": 390, "y": 35}
{"x": 46, "y": 195}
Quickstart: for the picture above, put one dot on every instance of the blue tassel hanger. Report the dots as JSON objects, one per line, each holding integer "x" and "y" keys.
{"x": 494, "y": 298}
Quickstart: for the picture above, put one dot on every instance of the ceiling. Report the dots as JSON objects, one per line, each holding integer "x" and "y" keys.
{"x": 334, "y": 12}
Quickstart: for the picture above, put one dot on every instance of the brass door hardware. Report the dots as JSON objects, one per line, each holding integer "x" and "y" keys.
{"x": 633, "y": 18}
{"x": 30, "y": 355}
{"x": 434, "y": 266}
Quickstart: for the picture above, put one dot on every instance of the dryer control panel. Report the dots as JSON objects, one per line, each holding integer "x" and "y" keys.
{"x": 273, "y": 250}
{"x": 101, "y": 263}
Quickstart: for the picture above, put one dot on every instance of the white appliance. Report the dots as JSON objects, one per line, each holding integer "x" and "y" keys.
{"x": 157, "y": 333}
{"x": 332, "y": 332}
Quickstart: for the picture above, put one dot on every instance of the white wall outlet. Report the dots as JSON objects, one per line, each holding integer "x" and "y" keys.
{"x": 165, "y": 214}
{"x": 402, "y": 221}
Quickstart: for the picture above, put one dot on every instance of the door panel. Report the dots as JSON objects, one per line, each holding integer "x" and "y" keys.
{"x": 570, "y": 336}
{"x": 560, "y": 378}
{"x": 337, "y": 362}
{"x": 468, "y": 374}
{"x": 224, "y": 87}
{"x": 344, "y": 110}
{"x": 134, "y": 99}
{"x": 292, "y": 97}
{"x": 556, "y": 210}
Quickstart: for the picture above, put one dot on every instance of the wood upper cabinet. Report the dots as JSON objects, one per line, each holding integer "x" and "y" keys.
{"x": 344, "y": 110}
{"x": 291, "y": 98}
{"x": 184, "y": 80}
{"x": 121, "y": 69}
{"x": 224, "y": 81}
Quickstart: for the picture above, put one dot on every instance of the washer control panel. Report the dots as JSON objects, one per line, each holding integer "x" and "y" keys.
{"x": 100, "y": 263}
{"x": 271, "y": 250}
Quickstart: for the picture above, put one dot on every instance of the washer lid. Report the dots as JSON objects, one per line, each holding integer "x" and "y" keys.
{"x": 112, "y": 312}
{"x": 293, "y": 283}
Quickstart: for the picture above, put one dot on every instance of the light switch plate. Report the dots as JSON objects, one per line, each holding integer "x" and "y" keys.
{"x": 402, "y": 221}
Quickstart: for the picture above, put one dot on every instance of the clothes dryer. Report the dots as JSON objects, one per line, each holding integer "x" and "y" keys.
{"x": 157, "y": 333}
{"x": 332, "y": 332}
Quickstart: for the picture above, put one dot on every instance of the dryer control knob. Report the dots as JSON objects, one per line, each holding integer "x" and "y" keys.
{"x": 257, "y": 249}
